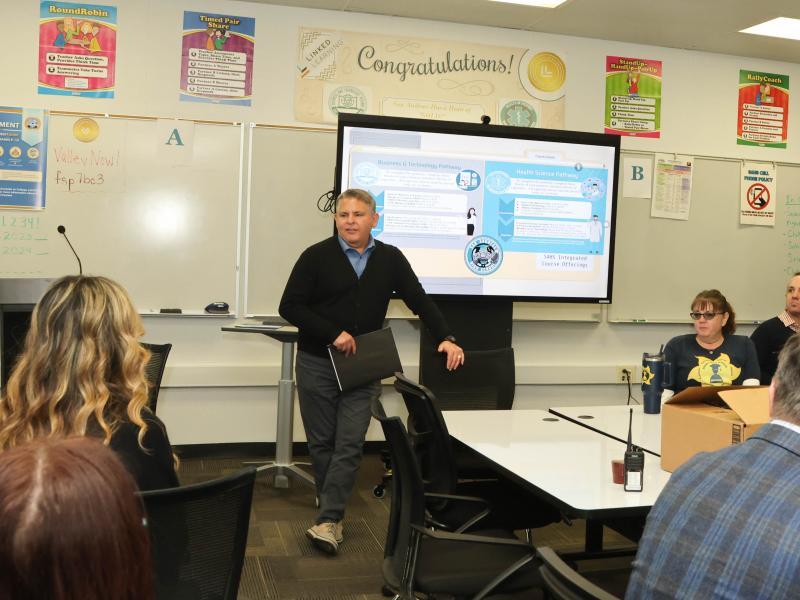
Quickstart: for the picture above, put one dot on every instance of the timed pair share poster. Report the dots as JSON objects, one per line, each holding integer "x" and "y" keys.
{"x": 77, "y": 49}
{"x": 217, "y": 58}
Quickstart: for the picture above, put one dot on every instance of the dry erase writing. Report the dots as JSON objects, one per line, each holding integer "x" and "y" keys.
{"x": 70, "y": 181}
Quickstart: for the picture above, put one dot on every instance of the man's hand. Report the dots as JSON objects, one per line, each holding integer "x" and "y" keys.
{"x": 455, "y": 355}
{"x": 345, "y": 343}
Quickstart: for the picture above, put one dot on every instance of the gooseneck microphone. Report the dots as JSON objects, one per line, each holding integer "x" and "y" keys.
{"x": 63, "y": 231}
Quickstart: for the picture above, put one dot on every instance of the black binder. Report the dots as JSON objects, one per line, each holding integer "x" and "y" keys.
{"x": 375, "y": 358}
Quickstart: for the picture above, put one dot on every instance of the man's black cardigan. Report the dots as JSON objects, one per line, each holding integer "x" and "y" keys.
{"x": 324, "y": 296}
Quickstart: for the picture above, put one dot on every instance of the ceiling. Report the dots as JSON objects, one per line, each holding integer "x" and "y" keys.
{"x": 707, "y": 25}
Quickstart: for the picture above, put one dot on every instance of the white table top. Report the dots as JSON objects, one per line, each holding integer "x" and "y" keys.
{"x": 569, "y": 464}
{"x": 613, "y": 422}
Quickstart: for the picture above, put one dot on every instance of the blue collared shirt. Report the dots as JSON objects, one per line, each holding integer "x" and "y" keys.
{"x": 359, "y": 261}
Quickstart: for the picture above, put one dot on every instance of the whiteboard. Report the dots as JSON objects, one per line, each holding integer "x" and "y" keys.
{"x": 661, "y": 264}
{"x": 291, "y": 168}
{"x": 167, "y": 232}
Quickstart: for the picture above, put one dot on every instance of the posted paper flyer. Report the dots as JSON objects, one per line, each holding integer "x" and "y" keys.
{"x": 217, "y": 58}
{"x": 633, "y": 97}
{"x": 23, "y": 157}
{"x": 672, "y": 187}
{"x": 344, "y": 71}
{"x": 763, "y": 109}
{"x": 758, "y": 195}
{"x": 77, "y": 49}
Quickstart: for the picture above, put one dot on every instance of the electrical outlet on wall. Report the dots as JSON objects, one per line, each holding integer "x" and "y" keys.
{"x": 624, "y": 371}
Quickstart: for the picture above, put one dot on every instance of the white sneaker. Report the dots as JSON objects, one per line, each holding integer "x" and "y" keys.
{"x": 339, "y": 532}
{"x": 324, "y": 536}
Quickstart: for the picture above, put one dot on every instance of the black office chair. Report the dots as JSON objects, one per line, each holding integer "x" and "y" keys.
{"x": 485, "y": 381}
{"x": 563, "y": 583}
{"x": 198, "y": 535}
{"x": 511, "y": 507}
{"x": 154, "y": 370}
{"x": 419, "y": 560}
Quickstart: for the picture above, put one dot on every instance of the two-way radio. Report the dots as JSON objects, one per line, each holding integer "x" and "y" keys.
{"x": 634, "y": 463}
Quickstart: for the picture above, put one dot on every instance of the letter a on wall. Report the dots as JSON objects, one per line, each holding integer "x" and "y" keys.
{"x": 175, "y": 141}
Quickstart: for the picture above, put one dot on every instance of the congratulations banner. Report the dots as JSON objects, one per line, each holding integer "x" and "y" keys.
{"x": 77, "y": 49}
{"x": 342, "y": 71}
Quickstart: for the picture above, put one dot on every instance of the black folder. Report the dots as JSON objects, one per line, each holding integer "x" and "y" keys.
{"x": 375, "y": 358}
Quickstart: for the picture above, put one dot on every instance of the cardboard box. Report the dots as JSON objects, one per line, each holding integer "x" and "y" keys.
{"x": 704, "y": 419}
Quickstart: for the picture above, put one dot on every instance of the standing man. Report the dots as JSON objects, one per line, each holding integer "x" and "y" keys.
{"x": 771, "y": 335}
{"x": 727, "y": 524}
{"x": 340, "y": 288}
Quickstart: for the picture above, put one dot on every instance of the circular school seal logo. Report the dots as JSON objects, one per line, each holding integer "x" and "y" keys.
{"x": 85, "y": 129}
{"x": 483, "y": 255}
{"x": 33, "y": 123}
{"x": 347, "y": 99}
{"x": 518, "y": 113}
{"x": 365, "y": 174}
{"x": 15, "y": 152}
{"x": 497, "y": 182}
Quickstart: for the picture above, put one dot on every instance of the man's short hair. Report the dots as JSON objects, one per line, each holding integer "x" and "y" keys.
{"x": 362, "y": 195}
{"x": 787, "y": 382}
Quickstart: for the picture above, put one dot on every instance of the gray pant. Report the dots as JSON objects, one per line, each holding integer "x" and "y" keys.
{"x": 336, "y": 424}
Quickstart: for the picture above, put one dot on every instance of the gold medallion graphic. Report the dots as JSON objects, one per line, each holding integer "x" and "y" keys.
{"x": 85, "y": 129}
{"x": 547, "y": 72}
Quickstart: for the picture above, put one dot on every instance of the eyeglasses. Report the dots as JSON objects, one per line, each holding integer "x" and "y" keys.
{"x": 706, "y": 315}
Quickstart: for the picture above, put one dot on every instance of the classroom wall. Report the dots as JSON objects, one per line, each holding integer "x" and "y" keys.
{"x": 221, "y": 387}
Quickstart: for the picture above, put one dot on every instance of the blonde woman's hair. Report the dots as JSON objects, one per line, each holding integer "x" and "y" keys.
{"x": 81, "y": 371}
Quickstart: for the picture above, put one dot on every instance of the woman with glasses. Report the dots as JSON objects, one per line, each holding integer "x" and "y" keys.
{"x": 711, "y": 355}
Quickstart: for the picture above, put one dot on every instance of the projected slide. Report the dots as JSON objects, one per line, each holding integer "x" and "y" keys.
{"x": 486, "y": 215}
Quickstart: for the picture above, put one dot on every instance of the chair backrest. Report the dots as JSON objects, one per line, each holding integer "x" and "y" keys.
{"x": 429, "y": 436}
{"x": 408, "y": 496}
{"x": 564, "y": 583}
{"x": 485, "y": 381}
{"x": 154, "y": 370}
{"x": 198, "y": 535}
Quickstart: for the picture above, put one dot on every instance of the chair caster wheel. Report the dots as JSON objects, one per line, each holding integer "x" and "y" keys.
{"x": 379, "y": 491}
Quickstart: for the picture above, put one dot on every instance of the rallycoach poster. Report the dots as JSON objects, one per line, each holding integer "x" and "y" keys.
{"x": 763, "y": 109}
{"x": 217, "y": 58}
{"x": 633, "y": 96}
{"x": 344, "y": 71}
{"x": 77, "y": 49}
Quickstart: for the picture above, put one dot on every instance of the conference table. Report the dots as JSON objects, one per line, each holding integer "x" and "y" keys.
{"x": 566, "y": 464}
{"x": 613, "y": 422}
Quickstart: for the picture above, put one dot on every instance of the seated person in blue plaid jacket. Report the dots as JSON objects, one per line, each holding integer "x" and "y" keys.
{"x": 727, "y": 525}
